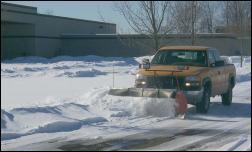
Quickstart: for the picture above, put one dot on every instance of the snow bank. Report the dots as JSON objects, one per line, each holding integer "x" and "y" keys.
{"x": 91, "y": 66}
{"x": 92, "y": 108}
{"x": 5, "y": 117}
{"x": 48, "y": 119}
{"x": 81, "y": 66}
{"x": 84, "y": 73}
{"x": 7, "y": 71}
{"x": 34, "y": 69}
{"x": 242, "y": 73}
{"x": 65, "y": 126}
{"x": 122, "y": 61}
{"x": 243, "y": 77}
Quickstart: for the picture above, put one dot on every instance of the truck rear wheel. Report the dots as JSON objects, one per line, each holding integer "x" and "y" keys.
{"x": 203, "y": 105}
{"x": 227, "y": 97}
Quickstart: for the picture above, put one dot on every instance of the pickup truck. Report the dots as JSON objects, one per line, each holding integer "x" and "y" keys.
{"x": 198, "y": 71}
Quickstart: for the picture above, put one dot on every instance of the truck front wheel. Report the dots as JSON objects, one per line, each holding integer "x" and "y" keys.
{"x": 203, "y": 105}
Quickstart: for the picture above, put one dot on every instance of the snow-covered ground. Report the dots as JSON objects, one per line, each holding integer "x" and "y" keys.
{"x": 62, "y": 104}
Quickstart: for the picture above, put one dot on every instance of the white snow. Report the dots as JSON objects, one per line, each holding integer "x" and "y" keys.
{"x": 66, "y": 97}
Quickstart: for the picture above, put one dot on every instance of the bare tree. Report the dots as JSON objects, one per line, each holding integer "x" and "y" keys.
{"x": 181, "y": 13}
{"x": 146, "y": 17}
{"x": 186, "y": 15}
{"x": 208, "y": 9}
{"x": 237, "y": 15}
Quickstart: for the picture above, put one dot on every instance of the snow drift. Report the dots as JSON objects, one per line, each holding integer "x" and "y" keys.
{"x": 85, "y": 73}
{"x": 91, "y": 108}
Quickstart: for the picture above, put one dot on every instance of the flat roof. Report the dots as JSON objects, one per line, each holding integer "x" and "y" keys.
{"x": 184, "y": 47}
{"x": 18, "y": 5}
{"x": 53, "y": 16}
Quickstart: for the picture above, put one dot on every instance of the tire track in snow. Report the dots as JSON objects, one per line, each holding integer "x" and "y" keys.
{"x": 184, "y": 141}
{"x": 143, "y": 140}
{"x": 222, "y": 138}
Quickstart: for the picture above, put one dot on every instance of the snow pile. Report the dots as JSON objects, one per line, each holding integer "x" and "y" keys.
{"x": 237, "y": 60}
{"x": 7, "y": 71}
{"x": 140, "y": 106}
{"x": 48, "y": 119}
{"x": 243, "y": 77}
{"x": 92, "y": 108}
{"x": 34, "y": 69}
{"x": 130, "y": 106}
{"x": 84, "y": 73}
{"x": 242, "y": 73}
{"x": 5, "y": 117}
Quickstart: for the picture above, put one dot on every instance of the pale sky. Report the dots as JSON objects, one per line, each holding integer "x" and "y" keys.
{"x": 88, "y": 10}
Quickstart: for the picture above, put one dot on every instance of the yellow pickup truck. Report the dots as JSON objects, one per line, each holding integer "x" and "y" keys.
{"x": 196, "y": 70}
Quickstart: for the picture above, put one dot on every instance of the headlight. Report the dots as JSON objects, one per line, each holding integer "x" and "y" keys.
{"x": 143, "y": 82}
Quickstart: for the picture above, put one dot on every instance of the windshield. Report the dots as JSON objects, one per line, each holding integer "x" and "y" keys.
{"x": 180, "y": 57}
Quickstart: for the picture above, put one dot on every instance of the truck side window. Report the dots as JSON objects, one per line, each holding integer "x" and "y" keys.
{"x": 211, "y": 56}
{"x": 216, "y": 55}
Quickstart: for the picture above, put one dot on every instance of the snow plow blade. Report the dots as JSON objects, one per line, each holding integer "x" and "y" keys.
{"x": 178, "y": 96}
{"x": 143, "y": 92}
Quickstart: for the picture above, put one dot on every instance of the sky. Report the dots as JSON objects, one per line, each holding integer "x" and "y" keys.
{"x": 89, "y": 10}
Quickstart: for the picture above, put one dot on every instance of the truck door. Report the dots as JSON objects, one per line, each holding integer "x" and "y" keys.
{"x": 223, "y": 74}
{"x": 214, "y": 74}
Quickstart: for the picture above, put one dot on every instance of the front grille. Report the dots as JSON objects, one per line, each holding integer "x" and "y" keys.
{"x": 163, "y": 82}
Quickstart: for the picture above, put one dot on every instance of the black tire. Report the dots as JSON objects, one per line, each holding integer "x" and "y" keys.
{"x": 203, "y": 105}
{"x": 227, "y": 97}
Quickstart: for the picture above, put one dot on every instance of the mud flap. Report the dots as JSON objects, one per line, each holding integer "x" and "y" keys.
{"x": 181, "y": 101}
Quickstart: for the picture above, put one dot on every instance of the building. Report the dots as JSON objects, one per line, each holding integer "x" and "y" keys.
{"x": 24, "y": 32}
{"x": 130, "y": 45}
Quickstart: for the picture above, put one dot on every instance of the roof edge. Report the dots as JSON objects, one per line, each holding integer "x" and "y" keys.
{"x": 63, "y": 17}
{"x": 18, "y": 5}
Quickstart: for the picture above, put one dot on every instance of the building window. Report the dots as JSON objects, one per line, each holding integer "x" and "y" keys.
{"x": 100, "y": 27}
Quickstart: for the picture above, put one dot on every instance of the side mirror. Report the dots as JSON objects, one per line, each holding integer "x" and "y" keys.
{"x": 145, "y": 64}
{"x": 220, "y": 63}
